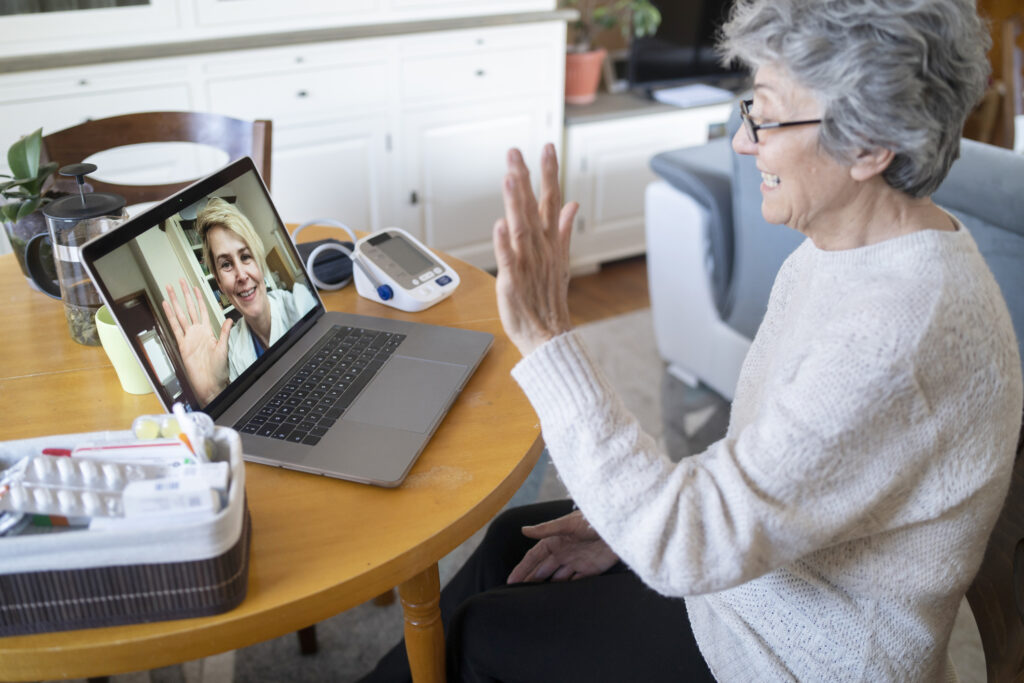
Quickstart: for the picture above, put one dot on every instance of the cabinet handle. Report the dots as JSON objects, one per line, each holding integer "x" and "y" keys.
{"x": 481, "y": 72}
{"x": 302, "y": 93}
{"x": 414, "y": 198}
{"x": 83, "y": 82}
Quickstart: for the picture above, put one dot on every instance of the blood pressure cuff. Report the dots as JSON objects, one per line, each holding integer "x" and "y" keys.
{"x": 331, "y": 266}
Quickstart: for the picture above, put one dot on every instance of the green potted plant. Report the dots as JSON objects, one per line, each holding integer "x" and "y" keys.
{"x": 635, "y": 18}
{"x": 26, "y": 193}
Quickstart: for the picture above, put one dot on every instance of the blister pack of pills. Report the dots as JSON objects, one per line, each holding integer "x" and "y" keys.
{"x": 82, "y": 486}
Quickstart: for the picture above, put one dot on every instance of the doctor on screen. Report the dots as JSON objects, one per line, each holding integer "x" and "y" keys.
{"x": 234, "y": 253}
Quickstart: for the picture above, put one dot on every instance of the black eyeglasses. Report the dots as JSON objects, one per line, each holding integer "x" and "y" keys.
{"x": 752, "y": 127}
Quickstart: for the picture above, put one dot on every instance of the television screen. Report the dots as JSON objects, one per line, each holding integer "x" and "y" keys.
{"x": 683, "y": 49}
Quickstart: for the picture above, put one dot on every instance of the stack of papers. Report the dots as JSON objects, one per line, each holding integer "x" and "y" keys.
{"x": 694, "y": 95}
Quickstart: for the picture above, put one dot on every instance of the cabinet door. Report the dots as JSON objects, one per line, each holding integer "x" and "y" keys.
{"x": 607, "y": 170}
{"x": 454, "y": 164}
{"x": 335, "y": 171}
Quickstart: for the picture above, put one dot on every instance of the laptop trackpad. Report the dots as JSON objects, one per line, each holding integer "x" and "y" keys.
{"x": 409, "y": 393}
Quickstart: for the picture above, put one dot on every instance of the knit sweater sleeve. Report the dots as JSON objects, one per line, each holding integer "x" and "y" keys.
{"x": 828, "y": 457}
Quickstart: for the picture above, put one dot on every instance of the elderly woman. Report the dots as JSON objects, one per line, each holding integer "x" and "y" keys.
{"x": 234, "y": 253}
{"x": 834, "y": 530}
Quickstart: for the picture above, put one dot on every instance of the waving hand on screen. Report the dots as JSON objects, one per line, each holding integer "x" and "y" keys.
{"x": 204, "y": 354}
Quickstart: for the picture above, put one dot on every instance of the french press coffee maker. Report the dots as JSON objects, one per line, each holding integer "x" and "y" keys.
{"x": 72, "y": 221}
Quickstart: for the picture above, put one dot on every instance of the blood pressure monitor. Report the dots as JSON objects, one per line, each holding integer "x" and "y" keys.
{"x": 393, "y": 261}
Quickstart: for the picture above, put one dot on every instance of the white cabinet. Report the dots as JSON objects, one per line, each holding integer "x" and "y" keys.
{"x": 454, "y": 167}
{"x": 408, "y": 130}
{"x": 468, "y": 97}
{"x": 606, "y": 169}
{"x": 331, "y": 108}
{"x": 158, "y": 23}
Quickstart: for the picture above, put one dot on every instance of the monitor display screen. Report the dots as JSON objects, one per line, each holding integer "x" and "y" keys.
{"x": 683, "y": 49}
{"x": 223, "y": 264}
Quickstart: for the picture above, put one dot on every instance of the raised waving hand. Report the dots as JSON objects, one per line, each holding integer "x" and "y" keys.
{"x": 205, "y": 355}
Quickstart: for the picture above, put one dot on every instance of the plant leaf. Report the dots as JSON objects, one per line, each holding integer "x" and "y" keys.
{"x": 46, "y": 170}
{"x": 27, "y": 208}
{"x": 23, "y": 156}
{"x": 646, "y": 19}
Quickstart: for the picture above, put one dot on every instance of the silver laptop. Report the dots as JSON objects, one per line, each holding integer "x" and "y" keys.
{"x": 343, "y": 395}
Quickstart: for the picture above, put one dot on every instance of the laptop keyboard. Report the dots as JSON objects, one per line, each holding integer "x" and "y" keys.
{"x": 305, "y": 403}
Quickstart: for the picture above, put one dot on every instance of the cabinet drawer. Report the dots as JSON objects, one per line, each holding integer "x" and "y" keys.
{"x": 58, "y": 85}
{"x": 302, "y": 93}
{"x": 307, "y": 56}
{"x": 476, "y": 74}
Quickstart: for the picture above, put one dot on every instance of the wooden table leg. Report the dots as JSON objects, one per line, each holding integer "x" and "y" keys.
{"x": 424, "y": 632}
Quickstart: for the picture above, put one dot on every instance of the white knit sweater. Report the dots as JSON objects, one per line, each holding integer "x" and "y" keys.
{"x": 833, "y": 532}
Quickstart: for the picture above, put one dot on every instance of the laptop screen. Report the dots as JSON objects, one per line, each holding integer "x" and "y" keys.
{"x": 207, "y": 287}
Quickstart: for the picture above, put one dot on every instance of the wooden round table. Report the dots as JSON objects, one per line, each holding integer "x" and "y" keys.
{"x": 319, "y": 545}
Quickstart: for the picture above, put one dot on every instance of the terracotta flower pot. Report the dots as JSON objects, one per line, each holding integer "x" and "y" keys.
{"x": 582, "y": 75}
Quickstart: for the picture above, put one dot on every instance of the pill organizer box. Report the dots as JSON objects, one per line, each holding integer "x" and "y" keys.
{"x": 84, "y": 578}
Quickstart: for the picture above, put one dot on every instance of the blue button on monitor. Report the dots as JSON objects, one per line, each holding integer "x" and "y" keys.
{"x": 443, "y": 280}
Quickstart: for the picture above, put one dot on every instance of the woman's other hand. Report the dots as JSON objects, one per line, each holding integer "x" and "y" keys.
{"x": 531, "y": 246}
{"x": 205, "y": 356}
{"x": 568, "y": 549}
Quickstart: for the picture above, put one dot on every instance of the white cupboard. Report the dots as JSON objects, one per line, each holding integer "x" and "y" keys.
{"x": 607, "y": 168}
{"x": 408, "y": 129}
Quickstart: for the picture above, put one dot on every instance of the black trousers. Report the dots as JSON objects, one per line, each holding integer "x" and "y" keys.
{"x": 604, "y": 628}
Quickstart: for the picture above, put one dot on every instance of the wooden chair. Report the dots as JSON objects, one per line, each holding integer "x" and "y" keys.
{"x": 996, "y": 595}
{"x": 1012, "y": 39}
{"x": 236, "y": 137}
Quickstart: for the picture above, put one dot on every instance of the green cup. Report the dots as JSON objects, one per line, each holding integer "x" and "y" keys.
{"x": 133, "y": 379}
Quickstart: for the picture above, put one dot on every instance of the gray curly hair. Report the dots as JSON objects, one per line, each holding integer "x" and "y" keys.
{"x": 895, "y": 74}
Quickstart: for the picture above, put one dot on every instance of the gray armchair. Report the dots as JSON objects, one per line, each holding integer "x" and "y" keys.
{"x": 712, "y": 258}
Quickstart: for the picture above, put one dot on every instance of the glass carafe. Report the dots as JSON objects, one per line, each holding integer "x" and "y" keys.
{"x": 72, "y": 221}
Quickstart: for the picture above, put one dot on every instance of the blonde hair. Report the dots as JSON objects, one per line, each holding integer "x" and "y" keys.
{"x": 219, "y": 214}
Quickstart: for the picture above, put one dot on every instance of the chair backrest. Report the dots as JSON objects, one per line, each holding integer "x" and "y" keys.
{"x": 996, "y": 595}
{"x": 236, "y": 137}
